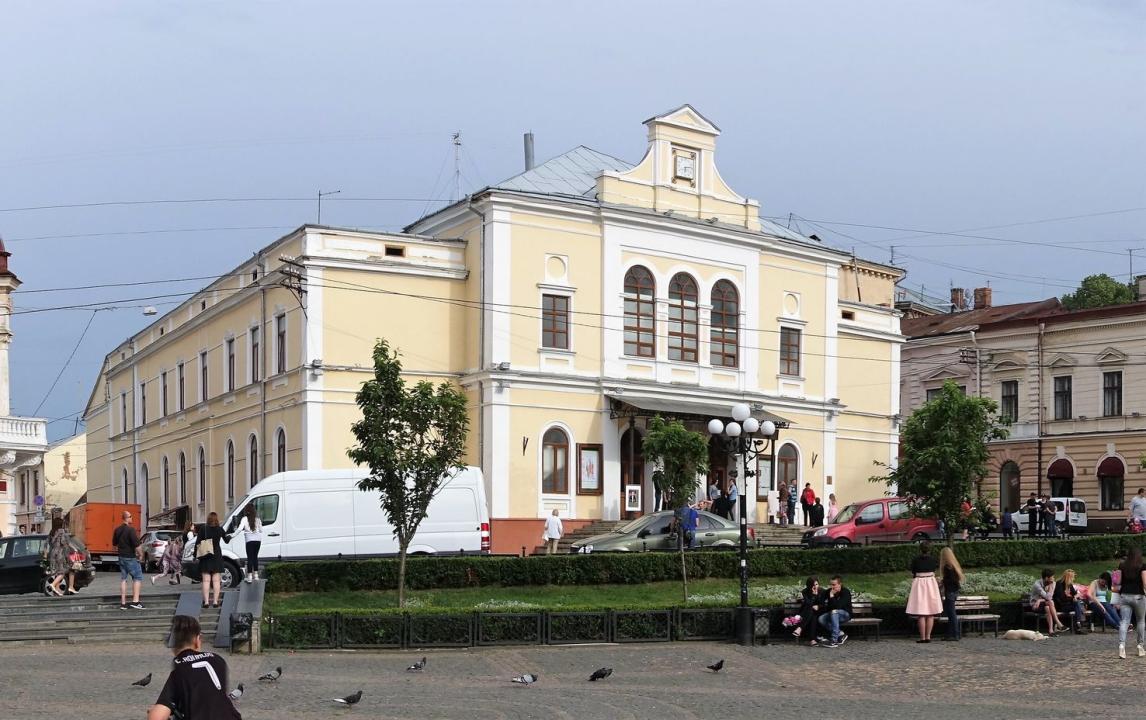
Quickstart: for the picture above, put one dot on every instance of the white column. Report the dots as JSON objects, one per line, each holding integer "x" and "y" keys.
{"x": 610, "y": 469}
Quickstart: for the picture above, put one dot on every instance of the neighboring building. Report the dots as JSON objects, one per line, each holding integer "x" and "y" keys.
{"x": 571, "y": 303}
{"x": 22, "y": 440}
{"x": 918, "y": 303}
{"x": 1069, "y": 382}
{"x": 58, "y": 480}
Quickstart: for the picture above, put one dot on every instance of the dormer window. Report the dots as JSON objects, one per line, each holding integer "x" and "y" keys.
{"x": 684, "y": 165}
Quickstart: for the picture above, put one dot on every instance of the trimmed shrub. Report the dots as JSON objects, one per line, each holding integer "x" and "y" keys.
{"x": 426, "y": 573}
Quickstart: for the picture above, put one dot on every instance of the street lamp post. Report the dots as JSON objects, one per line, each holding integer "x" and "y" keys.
{"x": 748, "y": 438}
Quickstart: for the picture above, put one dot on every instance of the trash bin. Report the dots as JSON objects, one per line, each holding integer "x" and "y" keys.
{"x": 761, "y": 625}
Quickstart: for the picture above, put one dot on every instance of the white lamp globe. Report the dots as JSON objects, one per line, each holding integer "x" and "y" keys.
{"x": 751, "y": 425}
{"x": 768, "y": 428}
{"x": 732, "y": 430}
{"x": 715, "y": 427}
{"x": 740, "y": 412}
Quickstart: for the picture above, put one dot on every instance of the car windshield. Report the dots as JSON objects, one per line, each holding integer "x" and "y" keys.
{"x": 635, "y": 525}
{"x": 846, "y": 514}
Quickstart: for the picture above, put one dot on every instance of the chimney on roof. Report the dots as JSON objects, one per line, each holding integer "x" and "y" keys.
{"x": 1139, "y": 285}
{"x": 528, "y": 151}
{"x": 958, "y": 299}
{"x": 982, "y": 298}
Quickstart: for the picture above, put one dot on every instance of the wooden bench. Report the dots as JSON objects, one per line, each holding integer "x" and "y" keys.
{"x": 861, "y": 615}
{"x": 1041, "y": 616}
{"x": 975, "y": 610}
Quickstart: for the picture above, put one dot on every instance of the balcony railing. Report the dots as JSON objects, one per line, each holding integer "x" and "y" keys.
{"x": 19, "y": 433}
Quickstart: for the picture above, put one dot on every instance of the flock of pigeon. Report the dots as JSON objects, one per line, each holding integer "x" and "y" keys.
{"x": 352, "y": 699}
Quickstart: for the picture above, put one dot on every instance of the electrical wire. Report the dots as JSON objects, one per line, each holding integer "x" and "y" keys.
{"x": 67, "y": 362}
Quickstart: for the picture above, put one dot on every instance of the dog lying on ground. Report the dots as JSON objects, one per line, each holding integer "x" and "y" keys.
{"x": 1023, "y": 635}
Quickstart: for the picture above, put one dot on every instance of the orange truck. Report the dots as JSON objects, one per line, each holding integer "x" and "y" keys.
{"x": 95, "y": 522}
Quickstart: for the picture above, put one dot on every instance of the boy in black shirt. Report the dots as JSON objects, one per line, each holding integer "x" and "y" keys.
{"x": 196, "y": 689}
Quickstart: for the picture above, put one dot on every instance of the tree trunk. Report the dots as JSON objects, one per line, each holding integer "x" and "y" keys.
{"x": 402, "y": 575}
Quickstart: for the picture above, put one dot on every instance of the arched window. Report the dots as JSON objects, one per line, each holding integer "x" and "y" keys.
{"x": 788, "y": 465}
{"x": 1061, "y": 476}
{"x": 146, "y": 492}
{"x": 682, "y": 318}
{"x": 1111, "y": 482}
{"x": 125, "y": 486}
{"x": 202, "y": 470}
{"x": 166, "y": 484}
{"x": 253, "y": 460}
{"x": 182, "y": 478}
{"x": 725, "y": 325}
{"x": 640, "y": 313}
{"x": 1009, "y": 486}
{"x": 230, "y": 471}
{"x": 280, "y": 451}
{"x": 555, "y": 462}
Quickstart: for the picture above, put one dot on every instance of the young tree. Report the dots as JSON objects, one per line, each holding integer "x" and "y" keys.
{"x": 1097, "y": 291}
{"x": 683, "y": 457}
{"x": 412, "y": 439}
{"x": 943, "y": 455}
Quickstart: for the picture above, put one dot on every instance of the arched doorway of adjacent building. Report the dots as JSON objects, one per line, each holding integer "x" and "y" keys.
{"x": 632, "y": 470}
{"x": 1111, "y": 483}
{"x": 1009, "y": 479}
{"x": 1061, "y": 477}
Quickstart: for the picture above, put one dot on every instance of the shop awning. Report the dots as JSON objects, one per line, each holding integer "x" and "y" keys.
{"x": 636, "y": 405}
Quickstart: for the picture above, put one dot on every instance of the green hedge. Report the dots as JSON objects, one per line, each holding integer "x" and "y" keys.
{"x": 425, "y": 573}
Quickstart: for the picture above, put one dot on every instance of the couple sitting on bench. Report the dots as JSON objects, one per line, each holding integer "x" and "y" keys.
{"x": 829, "y": 608}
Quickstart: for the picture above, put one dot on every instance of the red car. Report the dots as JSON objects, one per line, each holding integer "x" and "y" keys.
{"x": 885, "y": 519}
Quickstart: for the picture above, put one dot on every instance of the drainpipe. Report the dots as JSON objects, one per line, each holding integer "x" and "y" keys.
{"x": 1039, "y": 385}
{"x": 266, "y": 340}
{"x": 481, "y": 342}
{"x": 978, "y": 366}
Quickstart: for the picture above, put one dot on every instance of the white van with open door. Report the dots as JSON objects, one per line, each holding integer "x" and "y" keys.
{"x": 312, "y": 514}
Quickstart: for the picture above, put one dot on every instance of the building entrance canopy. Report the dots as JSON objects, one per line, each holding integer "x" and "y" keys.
{"x": 636, "y": 405}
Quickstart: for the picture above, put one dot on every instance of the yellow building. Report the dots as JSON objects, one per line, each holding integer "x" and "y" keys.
{"x": 571, "y": 303}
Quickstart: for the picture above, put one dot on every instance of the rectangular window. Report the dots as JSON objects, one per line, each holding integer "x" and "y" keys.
{"x": 1062, "y": 398}
{"x": 280, "y": 344}
{"x": 789, "y": 351}
{"x": 230, "y": 364}
{"x": 1112, "y": 393}
{"x": 163, "y": 394}
{"x": 142, "y": 403}
{"x": 933, "y": 393}
{"x": 1009, "y": 407}
{"x": 203, "y": 376}
{"x": 182, "y": 388}
{"x": 555, "y": 321}
{"x": 256, "y": 356}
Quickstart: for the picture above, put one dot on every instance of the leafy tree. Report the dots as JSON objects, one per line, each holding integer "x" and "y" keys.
{"x": 943, "y": 455}
{"x": 683, "y": 457}
{"x": 412, "y": 439}
{"x": 1097, "y": 291}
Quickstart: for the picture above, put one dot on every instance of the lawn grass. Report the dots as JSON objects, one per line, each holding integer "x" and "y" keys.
{"x": 1001, "y": 584}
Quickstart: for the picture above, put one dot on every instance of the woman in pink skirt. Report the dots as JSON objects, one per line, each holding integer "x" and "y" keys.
{"x": 924, "y": 602}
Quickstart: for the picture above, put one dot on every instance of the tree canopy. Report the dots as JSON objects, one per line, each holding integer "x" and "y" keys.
{"x": 1097, "y": 291}
{"x": 943, "y": 454}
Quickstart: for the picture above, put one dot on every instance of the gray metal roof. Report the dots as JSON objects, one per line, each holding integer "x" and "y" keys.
{"x": 573, "y": 173}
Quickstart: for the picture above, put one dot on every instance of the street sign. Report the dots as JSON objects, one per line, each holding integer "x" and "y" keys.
{"x": 39, "y": 518}
{"x": 39, "y": 501}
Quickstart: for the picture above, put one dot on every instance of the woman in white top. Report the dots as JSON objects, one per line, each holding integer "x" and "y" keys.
{"x": 252, "y": 528}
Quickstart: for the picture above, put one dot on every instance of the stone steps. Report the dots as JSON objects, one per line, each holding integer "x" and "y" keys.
{"x": 33, "y": 620}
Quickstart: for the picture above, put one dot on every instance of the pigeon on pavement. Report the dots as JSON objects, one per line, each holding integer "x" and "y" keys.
{"x": 600, "y": 674}
{"x": 236, "y": 693}
{"x": 526, "y": 678}
{"x": 144, "y": 682}
{"x": 272, "y": 676}
{"x": 716, "y": 666}
{"x": 418, "y": 666}
{"x": 349, "y": 699}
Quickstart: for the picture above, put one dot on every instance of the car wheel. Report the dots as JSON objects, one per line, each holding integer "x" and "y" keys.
{"x": 46, "y": 586}
{"x": 230, "y": 577}
{"x": 920, "y": 537}
{"x": 841, "y": 543}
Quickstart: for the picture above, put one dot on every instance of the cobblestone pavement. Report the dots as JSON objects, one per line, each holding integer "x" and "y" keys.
{"x": 977, "y": 678}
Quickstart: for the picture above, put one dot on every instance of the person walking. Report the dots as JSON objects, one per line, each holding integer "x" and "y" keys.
{"x": 951, "y": 574}
{"x": 251, "y": 526}
{"x": 129, "y": 552}
{"x": 924, "y": 602}
{"x": 196, "y": 689}
{"x": 833, "y": 508}
{"x": 59, "y": 560}
{"x": 209, "y": 551}
{"x": 807, "y": 500}
{"x": 1008, "y": 524}
{"x": 171, "y": 563}
{"x": 552, "y": 533}
{"x": 1132, "y": 599}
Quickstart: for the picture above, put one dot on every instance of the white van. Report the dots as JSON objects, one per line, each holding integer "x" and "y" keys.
{"x": 315, "y": 514}
{"x": 1070, "y": 515}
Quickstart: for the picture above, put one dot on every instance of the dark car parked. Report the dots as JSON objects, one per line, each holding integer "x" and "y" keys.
{"x": 21, "y": 568}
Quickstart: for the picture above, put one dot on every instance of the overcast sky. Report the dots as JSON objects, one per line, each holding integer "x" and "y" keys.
{"x": 950, "y": 117}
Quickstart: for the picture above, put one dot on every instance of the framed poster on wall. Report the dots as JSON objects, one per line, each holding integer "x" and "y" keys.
{"x": 763, "y": 478}
{"x": 588, "y": 469}
{"x": 632, "y": 498}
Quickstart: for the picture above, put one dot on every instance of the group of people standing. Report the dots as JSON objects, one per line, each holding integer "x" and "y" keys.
{"x": 814, "y": 512}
